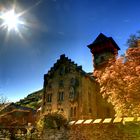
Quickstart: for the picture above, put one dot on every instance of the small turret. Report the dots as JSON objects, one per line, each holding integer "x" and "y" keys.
{"x": 103, "y": 48}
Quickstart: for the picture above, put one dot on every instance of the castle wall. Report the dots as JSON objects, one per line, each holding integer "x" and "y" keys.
{"x": 88, "y": 97}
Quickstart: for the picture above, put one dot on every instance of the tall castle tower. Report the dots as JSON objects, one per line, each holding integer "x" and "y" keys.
{"x": 103, "y": 48}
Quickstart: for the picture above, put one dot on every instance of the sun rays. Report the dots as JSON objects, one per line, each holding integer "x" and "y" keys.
{"x": 14, "y": 22}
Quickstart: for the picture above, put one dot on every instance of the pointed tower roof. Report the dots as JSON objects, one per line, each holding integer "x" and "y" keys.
{"x": 101, "y": 38}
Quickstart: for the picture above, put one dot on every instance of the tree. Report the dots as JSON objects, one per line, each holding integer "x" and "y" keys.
{"x": 120, "y": 83}
{"x": 3, "y": 99}
{"x": 132, "y": 41}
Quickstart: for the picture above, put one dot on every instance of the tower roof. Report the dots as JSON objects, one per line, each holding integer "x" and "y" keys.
{"x": 101, "y": 38}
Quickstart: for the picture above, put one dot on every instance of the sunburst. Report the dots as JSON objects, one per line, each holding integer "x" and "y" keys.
{"x": 11, "y": 21}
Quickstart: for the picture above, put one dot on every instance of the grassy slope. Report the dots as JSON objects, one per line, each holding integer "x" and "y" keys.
{"x": 33, "y": 100}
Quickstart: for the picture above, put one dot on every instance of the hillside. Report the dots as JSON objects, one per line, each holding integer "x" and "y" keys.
{"x": 33, "y": 100}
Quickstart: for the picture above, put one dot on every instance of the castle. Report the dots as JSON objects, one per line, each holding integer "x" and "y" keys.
{"x": 75, "y": 93}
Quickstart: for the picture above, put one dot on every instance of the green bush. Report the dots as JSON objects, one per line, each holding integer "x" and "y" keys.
{"x": 52, "y": 121}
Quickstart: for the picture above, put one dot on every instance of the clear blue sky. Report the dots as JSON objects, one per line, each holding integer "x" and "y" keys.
{"x": 56, "y": 27}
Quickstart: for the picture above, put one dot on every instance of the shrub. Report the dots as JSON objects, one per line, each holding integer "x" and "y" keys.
{"x": 51, "y": 121}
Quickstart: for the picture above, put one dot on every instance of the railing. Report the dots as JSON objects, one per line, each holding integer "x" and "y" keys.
{"x": 105, "y": 120}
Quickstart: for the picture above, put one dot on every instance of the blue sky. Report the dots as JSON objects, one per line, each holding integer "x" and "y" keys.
{"x": 56, "y": 27}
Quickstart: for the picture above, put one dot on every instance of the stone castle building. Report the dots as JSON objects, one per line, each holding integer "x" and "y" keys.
{"x": 72, "y": 91}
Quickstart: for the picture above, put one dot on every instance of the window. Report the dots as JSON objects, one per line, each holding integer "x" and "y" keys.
{"x": 73, "y": 81}
{"x": 62, "y": 71}
{"x": 61, "y": 83}
{"x": 67, "y": 70}
{"x": 49, "y": 97}
{"x": 74, "y": 111}
{"x": 61, "y": 96}
{"x": 90, "y": 110}
{"x": 108, "y": 112}
{"x": 72, "y": 93}
{"x": 71, "y": 111}
{"x": 89, "y": 101}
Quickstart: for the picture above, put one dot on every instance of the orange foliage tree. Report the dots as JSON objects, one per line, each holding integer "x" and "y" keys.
{"x": 120, "y": 83}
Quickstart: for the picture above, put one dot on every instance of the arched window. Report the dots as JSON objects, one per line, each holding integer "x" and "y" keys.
{"x": 72, "y": 93}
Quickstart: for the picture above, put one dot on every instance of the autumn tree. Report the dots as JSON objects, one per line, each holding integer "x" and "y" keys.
{"x": 120, "y": 83}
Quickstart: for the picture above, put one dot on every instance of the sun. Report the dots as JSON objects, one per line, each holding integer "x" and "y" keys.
{"x": 10, "y": 20}
{"x": 15, "y": 21}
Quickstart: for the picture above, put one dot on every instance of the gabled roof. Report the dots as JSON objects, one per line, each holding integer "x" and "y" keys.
{"x": 102, "y": 38}
{"x": 61, "y": 61}
{"x": 5, "y": 106}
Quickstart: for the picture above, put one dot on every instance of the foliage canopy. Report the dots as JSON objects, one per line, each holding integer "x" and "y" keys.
{"x": 120, "y": 83}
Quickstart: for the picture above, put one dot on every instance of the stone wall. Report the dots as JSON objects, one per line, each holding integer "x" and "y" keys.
{"x": 124, "y": 129}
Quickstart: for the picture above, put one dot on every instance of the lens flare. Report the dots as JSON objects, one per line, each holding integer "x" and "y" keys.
{"x": 11, "y": 20}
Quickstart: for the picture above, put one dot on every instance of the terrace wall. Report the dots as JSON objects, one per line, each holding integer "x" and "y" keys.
{"x": 123, "y": 129}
